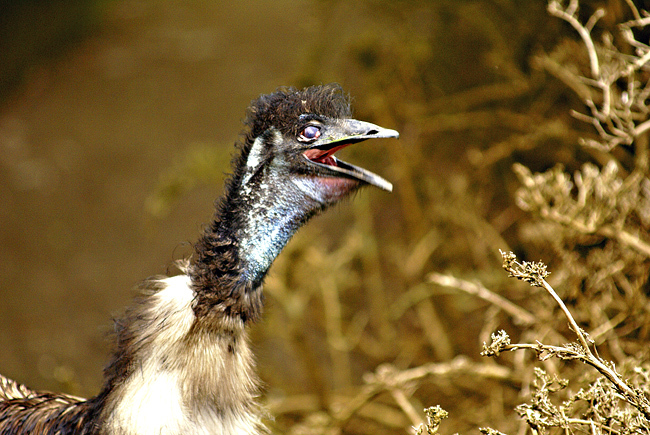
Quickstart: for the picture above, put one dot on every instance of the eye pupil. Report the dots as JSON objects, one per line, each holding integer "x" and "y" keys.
{"x": 310, "y": 132}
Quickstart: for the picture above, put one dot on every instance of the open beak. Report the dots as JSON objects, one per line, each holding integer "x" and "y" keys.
{"x": 345, "y": 133}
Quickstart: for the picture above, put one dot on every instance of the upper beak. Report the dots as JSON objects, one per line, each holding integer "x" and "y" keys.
{"x": 361, "y": 130}
{"x": 344, "y": 133}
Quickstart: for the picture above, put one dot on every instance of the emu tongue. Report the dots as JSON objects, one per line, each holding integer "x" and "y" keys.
{"x": 324, "y": 157}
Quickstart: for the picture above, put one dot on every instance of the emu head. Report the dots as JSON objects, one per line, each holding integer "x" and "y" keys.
{"x": 291, "y": 141}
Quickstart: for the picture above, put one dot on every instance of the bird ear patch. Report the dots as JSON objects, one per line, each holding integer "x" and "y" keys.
{"x": 258, "y": 152}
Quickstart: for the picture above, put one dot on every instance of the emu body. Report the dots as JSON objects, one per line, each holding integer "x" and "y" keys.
{"x": 182, "y": 363}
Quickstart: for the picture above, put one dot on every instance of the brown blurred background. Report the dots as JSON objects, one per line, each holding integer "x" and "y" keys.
{"x": 107, "y": 109}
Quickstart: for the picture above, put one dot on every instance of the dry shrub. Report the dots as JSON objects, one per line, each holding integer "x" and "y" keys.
{"x": 361, "y": 334}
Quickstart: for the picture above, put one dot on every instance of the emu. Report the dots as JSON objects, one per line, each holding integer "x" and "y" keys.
{"x": 182, "y": 363}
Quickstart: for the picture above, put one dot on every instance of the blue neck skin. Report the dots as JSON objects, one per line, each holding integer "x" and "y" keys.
{"x": 274, "y": 216}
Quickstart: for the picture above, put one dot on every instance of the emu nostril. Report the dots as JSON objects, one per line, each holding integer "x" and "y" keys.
{"x": 372, "y": 132}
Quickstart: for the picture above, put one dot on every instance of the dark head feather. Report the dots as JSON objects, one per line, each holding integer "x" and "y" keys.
{"x": 282, "y": 108}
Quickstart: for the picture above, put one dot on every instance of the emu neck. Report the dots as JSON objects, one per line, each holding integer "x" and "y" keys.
{"x": 265, "y": 231}
{"x": 260, "y": 213}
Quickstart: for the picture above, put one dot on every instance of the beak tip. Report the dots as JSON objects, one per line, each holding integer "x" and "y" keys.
{"x": 388, "y": 133}
{"x": 385, "y": 185}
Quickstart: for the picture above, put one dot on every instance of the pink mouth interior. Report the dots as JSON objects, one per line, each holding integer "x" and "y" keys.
{"x": 323, "y": 156}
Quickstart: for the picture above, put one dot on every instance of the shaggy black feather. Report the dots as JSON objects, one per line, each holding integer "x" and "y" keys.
{"x": 23, "y": 411}
{"x": 282, "y": 109}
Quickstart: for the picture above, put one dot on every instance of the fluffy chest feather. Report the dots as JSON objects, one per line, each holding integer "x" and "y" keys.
{"x": 184, "y": 375}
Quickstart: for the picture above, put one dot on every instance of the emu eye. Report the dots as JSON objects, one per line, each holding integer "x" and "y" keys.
{"x": 311, "y": 132}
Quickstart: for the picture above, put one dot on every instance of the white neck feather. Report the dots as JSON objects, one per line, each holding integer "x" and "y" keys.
{"x": 185, "y": 379}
